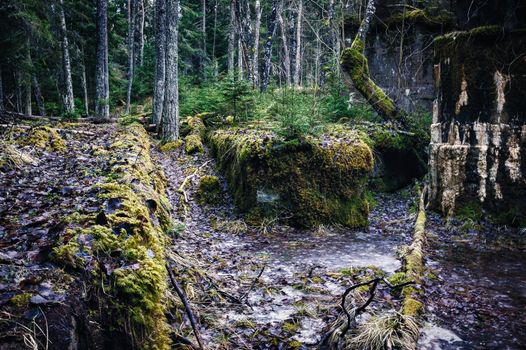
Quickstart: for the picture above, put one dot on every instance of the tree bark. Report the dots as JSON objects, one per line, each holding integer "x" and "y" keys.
{"x": 170, "y": 119}
{"x": 203, "y": 38}
{"x": 255, "y": 48}
{"x": 38, "y": 96}
{"x": 160, "y": 61}
{"x": 83, "y": 82}
{"x": 27, "y": 83}
{"x": 355, "y": 69}
{"x": 286, "y": 51}
{"x": 268, "y": 46}
{"x": 141, "y": 32}
{"x": 231, "y": 38}
{"x": 132, "y": 10}
{"x": 69, "y": 101}
{"x": 18, "y": 91}
{"x": 102, "y": 107}
{"x": 2, "y": 105}
{"x": 239, "y": 57}
{"x": 297, "y": 59}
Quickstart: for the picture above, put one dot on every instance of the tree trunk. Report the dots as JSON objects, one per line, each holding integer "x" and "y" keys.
{"x": 102, "y": 107}
{"x": 239, "y": 57}
{"x": 268, "y": 46}
{"x": 328, "y": 36}
{"x": 255, "y": 48}
{"x": 2, "y": 106}
{"x": 286, "y": 52}
{"x": 356, "y": 70}
{"x": 83, "y": 82}
{"x": 170, "y": 119}
{"x": 132, "y": 10}
{"x": 38, "y": 96}
{"x": 297, "y": 59}
{"x": 160, "y": 61}
{"x": 141, "y": 32}
{"x": 69, "y": 102}
{"x": 231, "y": 38}
{"x": 18, "y": 91}
{"x": 203, "y": 37}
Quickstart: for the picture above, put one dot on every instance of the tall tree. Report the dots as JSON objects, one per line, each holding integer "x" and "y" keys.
{"x": 255, "y": 47}
{"x": 231, "y": 37}
{"x": 203, "y": 37}
{"x": 132, "y": 10}
{"x": 142, "y": 20}
{"x": 297, "y": 59}
{"x": 160, "y": 61}
{"x": 286, "y": 51}
{"x": 102, "y": 98}
{"x": 38, "y": 95}
{"x": 268, "y": 46}
{"x": 69, "y": 101}
{"x": 170, "y": 119}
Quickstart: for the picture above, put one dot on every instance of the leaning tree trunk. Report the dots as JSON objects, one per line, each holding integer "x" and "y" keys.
{"x": 132, "y": 9}
{"x": 355, "y": 68}
{"x": 38, "y": 96}
{"x": 231, "y": 38}
{"x": 170, "y": 119}
{"x": 102, "y": 93}
{"x": 2, "y": 106}
{"x": 297, "y": 59}
{"x": 286, "y": 52}
{"x": 160, "y": 61}
{"x": 69, "y": 101}
{"x": 268, "y": 46}
{"x": 255, "y": 47}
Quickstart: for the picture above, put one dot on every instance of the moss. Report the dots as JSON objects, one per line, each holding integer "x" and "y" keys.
{"x": 314, "y": 181}
{"x": 295, "y": 344}
{"x": 290, "y": 327}
{"x": 354, "y": 63}
{"x": 171, "y": 146}
{"x": 471, "y": 210}
{"x": 209, "y": 190}
{"x": 412, "y": 307}
{"x": 428, "y": 16}
{"x": 21, "y": 301}
{"x": 68, "y": 254}
{"x": 398, "y": 278}
{"x": 45, "y": 138}
{"x": 194, "y": 144}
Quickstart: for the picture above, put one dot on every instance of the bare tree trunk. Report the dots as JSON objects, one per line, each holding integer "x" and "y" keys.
{"x": 328, "y": 36}
{"x": 27, "y": 97}
{"x": 231, "y": 38}
{"x": 69, "y": 102}
{"x": 160, "y": 61}
{"x": 203, "y": 37}
{"x": 38, "y": 96}
{"x": 141, "y": 32}
{"x": 255, "y": 48}
{"x": 18, "y": 91}
{"x": 132, "y": 10}
{"x": 297, "y": 61}
{"x": 83, "y": 82}
{"x": 268, "y": 46}
{"x": 239, "y": 57}
{"x": 286, "y": 52}
{"x": 2, "y": 105}
{"x": 214, "y": 58}
{"x": 102, "y": 107}
{"x": 170, "y": 119}
{"x": 356, "y": 69}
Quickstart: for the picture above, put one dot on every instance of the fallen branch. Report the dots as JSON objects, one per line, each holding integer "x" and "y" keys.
{"x": 245, "y": 295}
{"x": 181, "y": 188}
{"x": 187, "y": 307}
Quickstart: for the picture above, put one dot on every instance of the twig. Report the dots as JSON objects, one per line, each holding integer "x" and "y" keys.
{"x": 253, "y": 283}
{"x": 187, "y": 307}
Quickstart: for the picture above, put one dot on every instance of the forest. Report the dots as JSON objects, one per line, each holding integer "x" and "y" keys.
{"x": 262, "y": 174}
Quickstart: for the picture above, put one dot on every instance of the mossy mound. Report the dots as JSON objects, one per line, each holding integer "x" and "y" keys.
{"x": 171, "y": 146}
{"x": 122, "y": 248}
{"x": 306, "y": 183}
{"x": 44, "y": 138}
{"x": 193, "y": 129}
{"x": 209, "y": 190}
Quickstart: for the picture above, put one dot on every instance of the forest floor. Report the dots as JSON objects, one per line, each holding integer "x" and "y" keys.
{"x": 264, "y": 287}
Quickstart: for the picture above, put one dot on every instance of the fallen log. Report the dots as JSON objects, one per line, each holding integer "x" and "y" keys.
{"x": 69, "y": 131}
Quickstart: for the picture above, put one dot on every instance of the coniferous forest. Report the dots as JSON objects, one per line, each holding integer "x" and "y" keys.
{"x": 262, "y": 174}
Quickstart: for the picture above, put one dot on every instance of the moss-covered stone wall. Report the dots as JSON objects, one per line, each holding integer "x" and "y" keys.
{"x": 305, "y": 183}
{"x": 477, "y": 155}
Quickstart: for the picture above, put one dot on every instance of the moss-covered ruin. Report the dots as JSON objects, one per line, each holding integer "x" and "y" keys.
{"x": 304, "y": 182}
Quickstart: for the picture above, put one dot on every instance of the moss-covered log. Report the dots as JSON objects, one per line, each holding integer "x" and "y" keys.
{"x": 307, "y": 183}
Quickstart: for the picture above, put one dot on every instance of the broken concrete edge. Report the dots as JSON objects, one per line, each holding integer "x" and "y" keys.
{"x": 126, "y": 255}
{"x": 414, "y": 267}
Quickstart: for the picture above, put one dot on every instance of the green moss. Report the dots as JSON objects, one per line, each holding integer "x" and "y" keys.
{"x": 209, "y": 190}
{"x": 171, "y": 146}
{"x": 314, "y": 181}
{"x": 68, "y": 254}
{"x": 194, "y": 144}
{"x": 295, "y": 344}
{"x": 412, "y": 307}
{"x": 470, "y": 211}
{"x": 45, "y": 138}
{"x": 290, "y": 327}
{"x": 398, "y": 278}
{"x": 21, "y": 301}
{"x": 428, "y": 16}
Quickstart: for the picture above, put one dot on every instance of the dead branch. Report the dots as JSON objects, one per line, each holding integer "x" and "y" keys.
{"x": 181, "y": 188}
{"x": 187, "y": 307}
{"x": 245, "y": 295}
